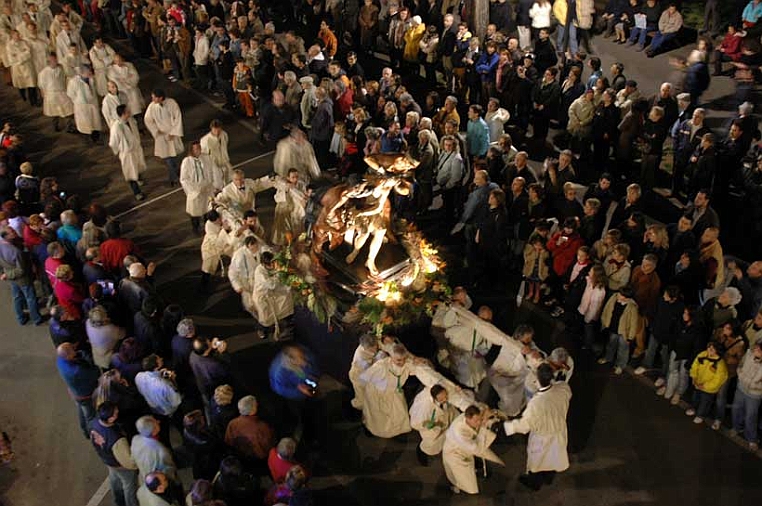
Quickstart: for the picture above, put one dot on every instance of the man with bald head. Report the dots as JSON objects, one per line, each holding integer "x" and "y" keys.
{"x": 81, "y": 378}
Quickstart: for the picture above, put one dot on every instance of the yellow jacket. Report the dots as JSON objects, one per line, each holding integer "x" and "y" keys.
{"x": 413, "y": 37}
{"x": 707, "y": 374}
{"x": 560, "y": 10}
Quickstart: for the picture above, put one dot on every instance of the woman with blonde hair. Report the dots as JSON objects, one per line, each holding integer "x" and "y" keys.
{"x": 591, "y": 306}
{"x": 69, "y": 294}
{"x": 656, "y": 242}
{"x": 103, "y": 336}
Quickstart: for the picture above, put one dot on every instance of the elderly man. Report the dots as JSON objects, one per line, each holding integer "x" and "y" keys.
{"x": 215, "y": 145}
{"x": 197, "y": 181}
{"x": 164, "y": 120}
{"x": 545, "y": 421}
{"x": 447, "y": 112}
{"x": 113, "y": 447}
{"x": 17, "y": 270}
{"x": 157, "y": 386}
{"x": 150, "y": 455}
{"x": 468, "y": 436}
{"x": 124, "y": 141}
{"x": 87, "y": 113}
{"x": 431, "y": 415}
{"x": 134, "y": 289}
{"x": 238, "y": 196}
{"x": 81, "y": 378}
{"x": 156, "y": 490}
{"x": 308, "y": 103}
{"x": 250, "y": 437}
{"x": 321, "y": 129}
{"x": 562, "y": 365}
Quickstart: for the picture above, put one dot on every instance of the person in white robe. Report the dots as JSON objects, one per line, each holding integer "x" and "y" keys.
{"x": 243, "y": 265}
{"x": 467, "y": 349}
{"x": 295, "y": 152}
{"x": 56, "y": 103}
{"x": 469, "y": 436}
{"x": 366, "y": 354}
{"x": 561, "y": 363}
{"x": 238, "y": 196}
{"x": 215, "y": 144}
{"x": 273, "y": 300}
{"x": 215, "y": 245}
{"x": 40, "y": 16}
{"x": 67, "y": 37}
{"x": 113, "y": 99}
{"x": 290, "y": 201}
{"x": 508, "y": 372}
{"x": 431, "y": 415}
{"x": 101, "y": 58}
{"x": 23, "y": 26}
{"x": 444, "y": 318}
{"x": 19, "y": 59}
{"x": 38, "y": 45}
{"x": 196, "y": 180}
{"x": 72, "y": 61}
{"x": 87, "y": 114}
{"x": 8, "y": 21}
{"x": 124, "y": 141}
{"x": 126, "y": 77}
{"x": 164, "y": 120}
{"x": 545, "y": 421}
{"x": 384, "y": 409}
{"x": 249, "y": 227}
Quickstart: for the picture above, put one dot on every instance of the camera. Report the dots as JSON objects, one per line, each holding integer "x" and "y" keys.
{"x": 107, "y": 286}
{"x": 312, "y": 384}
{"x": 166, "y": 374}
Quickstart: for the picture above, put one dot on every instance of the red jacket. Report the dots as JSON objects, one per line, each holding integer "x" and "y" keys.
{"x": 564, "y": 254}
{"x": 113, "y": 252}
{"x": 731, "y": 46}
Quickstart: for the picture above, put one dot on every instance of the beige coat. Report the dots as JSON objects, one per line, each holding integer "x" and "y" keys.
{"x": 19, "y": 59}
{"x": 87, "y": 115}
{"x": 124, "y": 141}
{"x": 55, "y": 101}
{"x": 126, "y": 78}
{"x": 272, "y": 300}
{"x": 101, "y": 59}
{"x": 165, "y": 122}
{"x": 629, "y": 323}
{"x": 581, "y": 113}
{"x": 217, "y": 149}
{"x": 385, "y": 411}
{"x": 530, "y": 257}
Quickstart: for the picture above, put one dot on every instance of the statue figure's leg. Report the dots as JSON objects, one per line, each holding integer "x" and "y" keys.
{"x": 375, "y": 247}
{"x": 359, "y": 243}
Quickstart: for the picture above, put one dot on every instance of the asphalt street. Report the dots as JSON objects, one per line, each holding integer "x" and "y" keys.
{"x": 627, "y": 447}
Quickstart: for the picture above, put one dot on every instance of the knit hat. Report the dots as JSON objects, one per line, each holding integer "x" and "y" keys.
{"x": 137, "y": 271}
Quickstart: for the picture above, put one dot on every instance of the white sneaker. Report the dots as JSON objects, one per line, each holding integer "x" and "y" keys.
{"x": 659, "y": 382}
{"x": 690, "y": 412}
{"x": 660, "y": 391}
{"x": 698, "y": 420}
{"x": 640, "y": 370}
{"x": 716, "y": 425}
{"x": 617, "y": 370}
{"x": 675, "y": 400}
{"x": 455, "y": 490}
{"x": 602, "y": 361}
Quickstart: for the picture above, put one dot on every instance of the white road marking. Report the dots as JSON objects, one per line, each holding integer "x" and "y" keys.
{"x": 96, "y": 499}
{"x": 172, "y": 192}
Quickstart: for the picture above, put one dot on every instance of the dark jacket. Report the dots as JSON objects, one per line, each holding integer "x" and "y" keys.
{"x": 668, "y": 320}
{"x": 322, "y": 122}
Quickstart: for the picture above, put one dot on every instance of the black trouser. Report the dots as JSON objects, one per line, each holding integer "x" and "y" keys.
{"x": 719, "y": 58}
{"x": 541, "y": 125}
{"x": 31, "y": 93}
{"x": 450, "y": 201}
{"x": 425, "y": 195}
{"x": 196, "y": 223}
{"x": 135, "y": 187}
{"x": 537, "y": 480}
{"x": 57, "y": 123}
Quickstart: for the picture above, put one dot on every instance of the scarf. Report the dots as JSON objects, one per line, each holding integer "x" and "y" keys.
{"x": 712, "y": 361}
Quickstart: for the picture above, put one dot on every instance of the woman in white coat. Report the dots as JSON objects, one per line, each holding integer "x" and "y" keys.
{"x": 431, "y": 415}
{"x": 467, "y": 437}
{"x": 19, "y": 59}
{"x": 124, "y": 141}
{"x": 127, "y": 78}
{"x": 215, "y": 144}
{"x": 196, "y": 180}
{"x": 101, "y": 58}
{"x": 545, "y": 421}
{"x": 87, "y": 114}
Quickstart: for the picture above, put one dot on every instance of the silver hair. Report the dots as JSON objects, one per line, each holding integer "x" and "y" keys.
{"x": 248, "y": 405}
{"x": 186, "y": 327}
{"x": 286, "y": 448}
{"x": 559, "y": 355}
{"x": 146, "y": 425}
{"x": 746, "y": 108}
{"x": 734, "y": 294}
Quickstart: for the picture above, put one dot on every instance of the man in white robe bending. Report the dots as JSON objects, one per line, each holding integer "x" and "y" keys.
{"x": 467, "y": 349}
{"x": 468, "y": 437}
{"x": 431, "y": 415}
{"x": 366, "y": 354}
{"x": 239, "y": 196}
{"x": 507, "y": 373}
{"x": 545, "y": 421}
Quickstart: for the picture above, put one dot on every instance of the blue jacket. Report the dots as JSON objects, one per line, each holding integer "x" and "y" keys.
{"x": 477, "y": 137}
{"x": 285, "y": 381}
{"x": 476, "y": 205}
{"x": 80, "y": 376}
{"x": 486, "y": 66}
